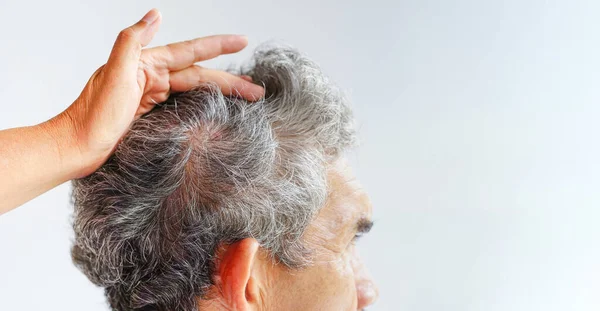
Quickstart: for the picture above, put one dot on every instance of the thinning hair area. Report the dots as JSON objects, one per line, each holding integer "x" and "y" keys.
{"x": 203, "y": 170}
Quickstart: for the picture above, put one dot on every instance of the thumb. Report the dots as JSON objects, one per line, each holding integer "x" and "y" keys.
{"x": 128, "y": 46}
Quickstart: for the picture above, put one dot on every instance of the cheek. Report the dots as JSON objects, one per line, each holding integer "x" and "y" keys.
{"x": 339, "y": 268}
{"x": 326, "y": 285}
{"x": 337, "y": 286}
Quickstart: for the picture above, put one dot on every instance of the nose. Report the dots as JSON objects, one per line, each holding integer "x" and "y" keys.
{"x": 366, "y": 290}
{"x": 367, "y": 293}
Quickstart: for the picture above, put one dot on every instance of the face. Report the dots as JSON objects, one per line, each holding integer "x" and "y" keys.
{"x": 337, "y": 280}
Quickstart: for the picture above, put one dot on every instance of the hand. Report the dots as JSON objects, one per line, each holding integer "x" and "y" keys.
{"x": 135, "y": 79}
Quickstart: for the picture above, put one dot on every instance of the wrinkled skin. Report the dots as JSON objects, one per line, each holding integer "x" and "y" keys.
{"x": 337, "y": 279}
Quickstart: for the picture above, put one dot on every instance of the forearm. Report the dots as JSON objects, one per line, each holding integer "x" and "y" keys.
{"x": 35, "y": 159}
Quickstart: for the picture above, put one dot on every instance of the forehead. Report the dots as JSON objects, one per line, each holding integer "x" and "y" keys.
{"x": 347, "y": 202}
{"x": 346, "y": 194}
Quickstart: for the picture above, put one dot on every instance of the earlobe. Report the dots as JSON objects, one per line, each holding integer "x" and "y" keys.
{"x": 239, "y": 286}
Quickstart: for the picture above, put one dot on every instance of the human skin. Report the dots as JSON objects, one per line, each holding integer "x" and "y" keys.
{"x": 78, "y": 141}
{"x": 247, "y": 279}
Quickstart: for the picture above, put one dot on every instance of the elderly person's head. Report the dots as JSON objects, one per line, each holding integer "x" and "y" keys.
{"x": 216, "y": 203}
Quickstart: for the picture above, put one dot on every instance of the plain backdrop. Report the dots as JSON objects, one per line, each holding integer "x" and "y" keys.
{"x": 479, "y": 124}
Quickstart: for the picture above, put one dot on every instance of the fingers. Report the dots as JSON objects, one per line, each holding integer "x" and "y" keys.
{"x": 229, "y": 84}
{"x": 247, "y": 78}
{"x": 178, "y": 56}
{"x": 128, "y": 46}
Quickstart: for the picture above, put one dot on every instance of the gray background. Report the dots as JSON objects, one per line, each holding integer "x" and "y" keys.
{"x": 478, "y": 124}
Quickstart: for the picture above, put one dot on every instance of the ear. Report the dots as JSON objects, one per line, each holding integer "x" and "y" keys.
{"x": 239, "y": 286}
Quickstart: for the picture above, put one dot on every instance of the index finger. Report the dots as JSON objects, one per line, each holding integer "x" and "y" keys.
{"x": 178, "y": 56}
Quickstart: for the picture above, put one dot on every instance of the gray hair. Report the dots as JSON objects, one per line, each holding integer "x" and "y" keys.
{"x": 202, "y": 170}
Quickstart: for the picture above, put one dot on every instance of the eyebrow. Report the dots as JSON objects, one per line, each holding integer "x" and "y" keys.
{"x": 364, "y": 225}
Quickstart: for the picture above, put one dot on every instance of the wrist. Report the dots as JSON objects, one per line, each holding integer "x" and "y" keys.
{"x": 62, "y": 132}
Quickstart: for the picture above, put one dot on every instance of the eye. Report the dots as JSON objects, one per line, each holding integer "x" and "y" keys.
{"x": 363, "y": 226}
{"x": 355, "y": 239}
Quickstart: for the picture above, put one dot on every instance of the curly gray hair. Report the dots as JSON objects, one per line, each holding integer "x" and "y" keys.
{"x": 202, "y": 170}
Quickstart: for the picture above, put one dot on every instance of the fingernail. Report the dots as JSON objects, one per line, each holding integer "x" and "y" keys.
{"x": 258, "y": 92}
{"x": 151, "y": 16}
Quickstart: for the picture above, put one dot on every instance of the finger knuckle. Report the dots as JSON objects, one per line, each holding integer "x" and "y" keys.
{"x": 158, "y": 98}
{"x": 126, "y": 34}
